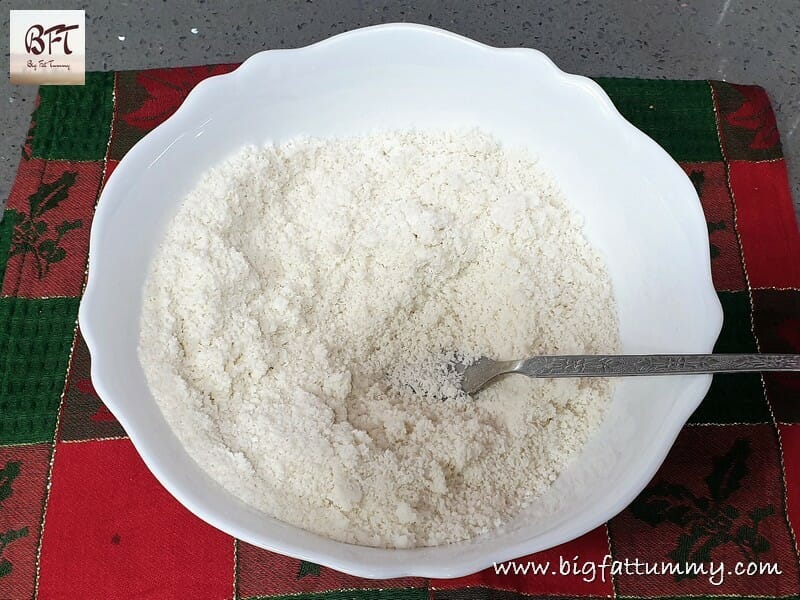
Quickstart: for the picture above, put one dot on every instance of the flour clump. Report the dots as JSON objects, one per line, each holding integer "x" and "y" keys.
{"x": 300, "y": 313}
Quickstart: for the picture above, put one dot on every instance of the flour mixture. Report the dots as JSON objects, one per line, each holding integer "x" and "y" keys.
{"x": 305, "y": 298}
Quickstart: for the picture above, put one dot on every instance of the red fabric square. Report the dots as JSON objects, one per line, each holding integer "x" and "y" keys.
{"x": 790, "y": 441}
{"x": 112, "y": 531}
{"x": 710, "y": 179}
{"x": 587, "y": 549}
{"x": 53, "y": 204}
{"x": 716, "y": 499}
{"x": 767, "y": 224}
{"x": 264, "y": 573}
{"x": 24, "y": 470}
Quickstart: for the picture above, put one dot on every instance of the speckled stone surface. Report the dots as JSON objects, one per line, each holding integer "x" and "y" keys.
{"x": 755, "y": 42}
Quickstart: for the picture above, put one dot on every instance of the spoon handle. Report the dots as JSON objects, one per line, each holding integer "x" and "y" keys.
{"x": 654, "y": 364}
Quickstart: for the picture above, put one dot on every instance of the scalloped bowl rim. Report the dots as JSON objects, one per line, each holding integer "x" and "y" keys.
{"x": 440, "y": 562}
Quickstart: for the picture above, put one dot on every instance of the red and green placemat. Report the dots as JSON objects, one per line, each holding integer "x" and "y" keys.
{"x": 81, "y": 517}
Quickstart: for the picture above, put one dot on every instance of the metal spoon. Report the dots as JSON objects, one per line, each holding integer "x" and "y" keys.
{"x": 477, "y": 375}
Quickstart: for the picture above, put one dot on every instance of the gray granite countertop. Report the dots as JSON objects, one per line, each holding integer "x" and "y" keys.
{"x": 754, "y": 42}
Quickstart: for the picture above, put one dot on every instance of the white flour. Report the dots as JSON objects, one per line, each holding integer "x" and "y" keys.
{"x": 299, "y": 310}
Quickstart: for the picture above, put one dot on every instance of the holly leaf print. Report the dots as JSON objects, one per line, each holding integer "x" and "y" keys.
{"x": 166, "y": 90}
{"x": 50, "y": 195}
{"x": 749, "y": 536}
{"x": 714, "y": 226}
{"x": 698, "y": 178}
{"x": 31, "y": 233}
{"x": 688, "y": 550}
{"x": 756, "y": 115}
{"x": 68, "y": 226}
{"x": 759, "y": 514}
{"x": 47, "y": 248}
{"x": 85, "y": 386}
{"x": 666, "y": 502}
{"x": 707, "y": 522}
{"x": 58, "y": 255}
{"x": 103, "y": 415}
{"x": 6, "y": 538}
{"x": 728, "y": 471}
{"x": 11, "y": 535}
{"x": 686, "y": 541}
{"x": 702, "y": 554}
{"x": 307, "y": 568}
{"x": 7, "y": 475}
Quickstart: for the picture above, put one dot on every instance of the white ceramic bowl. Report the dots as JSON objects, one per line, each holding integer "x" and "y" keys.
{"x": 641, "y": 212}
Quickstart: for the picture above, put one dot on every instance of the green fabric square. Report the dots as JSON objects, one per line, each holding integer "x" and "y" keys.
{"x": 351, "y": 594}
{"x": 6, "y": 229}
{"x": 73, "y": 122}
{"x": 35, "y": 340}
{"x": 737, "y": 326}
{"x": 735, "y": 398}
{"x": 679, "y": 115}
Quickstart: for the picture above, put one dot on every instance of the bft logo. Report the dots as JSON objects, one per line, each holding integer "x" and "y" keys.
{"x": 37, "y": 35}
{"x": 48, "y": 47}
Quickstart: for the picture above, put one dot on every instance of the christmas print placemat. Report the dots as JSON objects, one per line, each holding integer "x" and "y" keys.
{"x": 81, "y": 516}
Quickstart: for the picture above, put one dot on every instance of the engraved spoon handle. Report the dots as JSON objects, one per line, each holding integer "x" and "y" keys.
{"x": 653, "y": 364}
